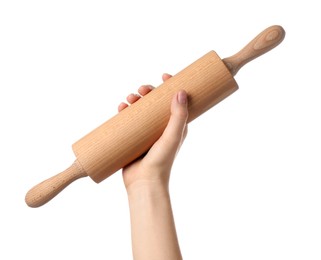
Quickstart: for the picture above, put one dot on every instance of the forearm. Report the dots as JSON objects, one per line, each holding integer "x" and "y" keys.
{"x": 152, "y": 223}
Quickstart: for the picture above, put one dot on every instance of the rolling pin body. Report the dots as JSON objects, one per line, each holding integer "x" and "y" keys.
{"x": 133, "y": 131}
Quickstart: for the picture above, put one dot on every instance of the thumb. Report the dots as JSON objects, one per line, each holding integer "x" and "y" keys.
{"x": 165, "y": 149}
{"x": 174, "y": 131}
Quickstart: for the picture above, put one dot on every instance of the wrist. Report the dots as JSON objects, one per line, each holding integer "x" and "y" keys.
{"x": 147, "y": 189}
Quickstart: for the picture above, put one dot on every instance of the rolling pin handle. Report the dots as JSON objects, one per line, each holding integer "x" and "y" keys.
{"x": 264, "y": 42}
{"x": 48, "y": 189}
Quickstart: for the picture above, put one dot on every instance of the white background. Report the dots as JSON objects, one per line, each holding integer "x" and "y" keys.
{"x": 246, "y": 184}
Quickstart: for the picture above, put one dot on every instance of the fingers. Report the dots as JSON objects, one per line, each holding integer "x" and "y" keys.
{"x": 132, "y": 98}
{"x": 143, "y": 90}
{"x": 122, "y": 106}
{"x": 166, "y": 76}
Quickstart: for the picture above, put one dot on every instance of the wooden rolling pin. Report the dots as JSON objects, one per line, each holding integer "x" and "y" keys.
{"x": 130, "y": 133}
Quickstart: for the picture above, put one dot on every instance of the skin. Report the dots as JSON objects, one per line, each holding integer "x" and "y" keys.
{"x": 147, "y": 180}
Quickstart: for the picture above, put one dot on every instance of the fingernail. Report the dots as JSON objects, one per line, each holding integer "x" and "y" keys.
{"x": 182, "y": 97}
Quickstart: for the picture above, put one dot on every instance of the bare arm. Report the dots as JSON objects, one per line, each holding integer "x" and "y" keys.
{"x": 152, "y": 223}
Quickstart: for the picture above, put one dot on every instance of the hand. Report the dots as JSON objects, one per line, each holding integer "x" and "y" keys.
{"x": 155, "y": 166}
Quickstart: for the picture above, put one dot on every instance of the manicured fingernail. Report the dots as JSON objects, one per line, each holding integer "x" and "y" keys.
{"x": 182, "y": 97}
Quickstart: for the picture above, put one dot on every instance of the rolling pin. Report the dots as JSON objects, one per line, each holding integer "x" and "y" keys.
{"x": 130, "y": 133}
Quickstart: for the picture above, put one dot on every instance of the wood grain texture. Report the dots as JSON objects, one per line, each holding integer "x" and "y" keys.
{"x": 264, "y": 42}
{"x": 46, "y": 190}
{"x": 134, "y": 130}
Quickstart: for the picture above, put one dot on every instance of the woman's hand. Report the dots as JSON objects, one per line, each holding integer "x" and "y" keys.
{"x": 155, "y": 166}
